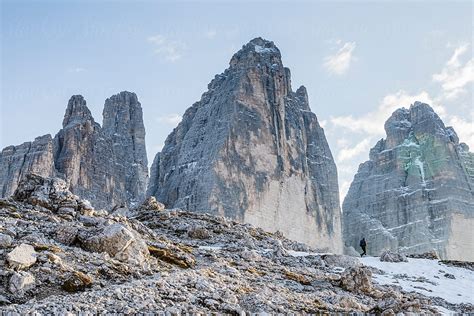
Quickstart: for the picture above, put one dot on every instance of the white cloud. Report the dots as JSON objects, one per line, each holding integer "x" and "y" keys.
{"x": 76, "y": 69}
{"x": 347, "y": 152}
{"x": 210, "y": 34}
{"x": 171, "y": 119}
{"x": 456, "y": 74}
{"x": 170, "y": 50}
{"x": 340, "y": 62}
{"x": 372, "y": 123}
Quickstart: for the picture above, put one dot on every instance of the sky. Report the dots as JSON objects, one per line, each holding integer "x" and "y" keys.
{"x": 358, "y": 60}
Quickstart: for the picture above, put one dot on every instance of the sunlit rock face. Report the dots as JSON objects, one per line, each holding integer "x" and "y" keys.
{"x": 415, "y": 189}
{"x": 252, "y": 150}
{"x": 106, "y": 165}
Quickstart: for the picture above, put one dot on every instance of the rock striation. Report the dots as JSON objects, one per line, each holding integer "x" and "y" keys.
{"x": 106, "y": 165}
{"x": 416, "y": 193}
{"x": 252, "y": 150}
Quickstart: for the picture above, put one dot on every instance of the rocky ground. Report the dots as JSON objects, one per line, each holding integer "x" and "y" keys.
{"x": 59, "y": 255}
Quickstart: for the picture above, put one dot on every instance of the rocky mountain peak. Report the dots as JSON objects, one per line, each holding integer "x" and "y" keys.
{"x": 420, "y": 118}
{"x": 416, "y": 193}
{"x": 257, "y": 51}
{"x": 123, "y": 114}
{"x": 123, "y": 123}
{"x": 251, "y": 150}
{"x": 77, "y": 111}
{"x": 302, "y": 96}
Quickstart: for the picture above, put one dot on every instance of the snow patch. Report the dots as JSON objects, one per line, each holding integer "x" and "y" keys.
{"x": 262, "y": 50}
{"x": 426, "y": 277}
{"x": 420, "y": 166}
{"x": 211, "y": 248}
{"x": 302, "y": 253}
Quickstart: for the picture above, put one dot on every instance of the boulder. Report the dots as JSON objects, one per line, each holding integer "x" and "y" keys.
{"x": 389, "y": 256}
{"x": 20, "y": 282}
{"x": 174, "y": 256}
{"x": 22, "y": 257}
{"x": 340, "y": 261}
{"x": 199, "y": 233}
{"x": 76, "y": 282}
{"x": 66, "y": 234}
{"x": 357, "y": 279}
{"x": 152, "y": 204}
{"x": 120, "y": 242}
{"x": 5, "y": 240}
{"x": 433, "y": 255}
{"x": 51, "y": 193}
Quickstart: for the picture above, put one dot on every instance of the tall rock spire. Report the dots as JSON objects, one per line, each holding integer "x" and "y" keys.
{"x": 251, "y": 150}
{"x": 416, "y": 193}
{"x": 123, "y": 123}
{"x": 77, "y": 111}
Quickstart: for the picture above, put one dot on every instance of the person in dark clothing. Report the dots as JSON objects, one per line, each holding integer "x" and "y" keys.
{"x": 363, "y": 244}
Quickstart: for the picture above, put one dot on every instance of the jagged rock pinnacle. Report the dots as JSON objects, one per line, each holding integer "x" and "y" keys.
{"x": 257, "y": 51}
{"x": 76, "y": 111}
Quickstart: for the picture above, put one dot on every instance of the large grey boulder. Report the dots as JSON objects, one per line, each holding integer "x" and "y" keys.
{"x": 252, "y": 150}
{"x": 416, "y": 193}
{"x": 390, "y": 256}
{"x": 22, "y": 257}
{"x": 120, "y": 242}
{"x": 5, "y": 241}
{"x": 20, "y": 282}
{"x": 105, "y": 165}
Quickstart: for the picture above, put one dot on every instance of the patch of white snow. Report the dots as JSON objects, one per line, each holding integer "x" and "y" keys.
{"x": 426, "y": 277}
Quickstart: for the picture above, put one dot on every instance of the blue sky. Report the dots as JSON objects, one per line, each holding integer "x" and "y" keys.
{"x": 358, "y": 60}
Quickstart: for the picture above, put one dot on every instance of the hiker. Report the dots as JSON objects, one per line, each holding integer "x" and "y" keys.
{"x": 363, "y": 244}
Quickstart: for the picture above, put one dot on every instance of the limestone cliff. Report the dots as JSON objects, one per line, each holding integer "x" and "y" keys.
{"x": 416, "y": 193}
{"x": 30, "y": 157}
{"x": 106, "y": 165}
{"x": 252, "y": 150}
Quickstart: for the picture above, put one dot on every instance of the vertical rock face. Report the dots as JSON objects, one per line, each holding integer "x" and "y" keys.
{"x": 123, "y": 124}
{"x": 416, "y": 191}
{"x": 106, "y": 165}
{"x": 252, "y": 150}
{"x": 30, "y": 157}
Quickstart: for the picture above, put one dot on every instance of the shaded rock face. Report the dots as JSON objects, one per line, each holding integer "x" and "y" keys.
{"x": 30, "y": 157}
{"x": 123, "y": 123}
{"x": 106, "y": 165}
{"x": 252, "y": 150}
{"x": 416, "y": 192}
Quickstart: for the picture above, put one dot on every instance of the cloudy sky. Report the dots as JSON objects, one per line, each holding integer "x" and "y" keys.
{"x": 359, "y": 61}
